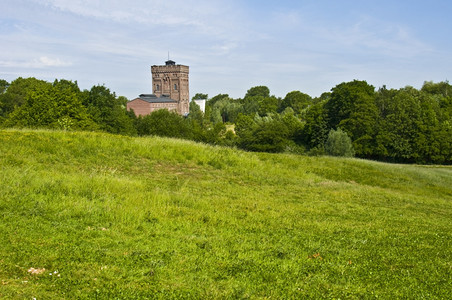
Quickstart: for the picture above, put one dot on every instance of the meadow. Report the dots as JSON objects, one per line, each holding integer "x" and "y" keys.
{"x": 99, "y": 216}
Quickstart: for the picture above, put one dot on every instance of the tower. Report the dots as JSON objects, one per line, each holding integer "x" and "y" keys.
{"x": 172, "y": 80}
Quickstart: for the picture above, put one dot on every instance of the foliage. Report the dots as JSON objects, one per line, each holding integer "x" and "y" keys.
{"x": 265, "y": 134}
{"x": 51, "y": 106}
{"x": 13, "y": 95}
{"x": 114, "y": 217}
{"x": 195, "y": 112}
{"x": 260, "y": 91}
{"x": 345, "y": 98}
{"x": 3, "y": 86}
{"x": 405, "y": 125}
{"x": 163, "y": 123}
{"x": 296, "y": 100}
{"x": 352, "y": 108}
{"x": 200, "y": 96}
{"x": 108, "y": 111}
{"x": 339, "y": 144}
{"x": 211, "y": 102}
{"x": 225, "y": 110}
{"x": 315, "y": 131}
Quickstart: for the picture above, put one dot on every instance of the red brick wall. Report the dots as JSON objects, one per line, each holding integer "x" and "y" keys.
{"x": 143, "y": 108}
{"x": 140, "y": 107}
{"x": 168, "y": 106}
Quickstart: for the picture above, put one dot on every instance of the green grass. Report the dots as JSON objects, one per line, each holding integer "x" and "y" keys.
{"x": 122, "y": 218}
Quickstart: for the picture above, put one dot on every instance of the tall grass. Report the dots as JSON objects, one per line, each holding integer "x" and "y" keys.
{"x": 117, "y": 217}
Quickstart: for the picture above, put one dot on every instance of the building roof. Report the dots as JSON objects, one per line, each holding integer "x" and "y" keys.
{"x": 151, "y": 98}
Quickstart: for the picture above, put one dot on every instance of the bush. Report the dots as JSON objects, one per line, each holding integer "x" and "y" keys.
{"x": 164, "y": 123}
{"x": 339, "y": 144}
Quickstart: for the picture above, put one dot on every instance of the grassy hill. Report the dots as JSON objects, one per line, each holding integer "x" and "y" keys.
{"x": 92, "y": 215}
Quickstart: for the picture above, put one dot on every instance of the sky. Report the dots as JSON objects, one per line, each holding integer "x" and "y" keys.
{"x": 229, "y": 45}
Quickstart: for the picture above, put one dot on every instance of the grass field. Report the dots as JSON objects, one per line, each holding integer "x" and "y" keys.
{"x": 92, "y": 215}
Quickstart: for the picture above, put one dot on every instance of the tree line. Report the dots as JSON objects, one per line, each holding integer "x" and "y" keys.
{"x": 405, "y": 125}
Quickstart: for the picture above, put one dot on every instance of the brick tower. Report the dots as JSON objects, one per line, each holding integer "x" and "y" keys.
{"x": 172, "y": 80}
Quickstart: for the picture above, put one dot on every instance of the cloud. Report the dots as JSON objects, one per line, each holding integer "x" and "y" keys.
{"x": 38, "y": 63}
{"x": 45, "y": 61}
{"x": 380, "y": 37}
{"x": 157, "y": 12}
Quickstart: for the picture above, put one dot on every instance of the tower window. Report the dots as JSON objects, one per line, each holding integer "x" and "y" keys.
{"x": 175, "y": 87}
{"x": 157, "y": 87}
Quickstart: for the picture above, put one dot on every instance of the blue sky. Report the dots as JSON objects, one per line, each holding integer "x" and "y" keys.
{"x": 230, "y": 45}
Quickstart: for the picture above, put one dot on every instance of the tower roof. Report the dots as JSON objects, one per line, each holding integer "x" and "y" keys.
{"x": 170, "y": 63}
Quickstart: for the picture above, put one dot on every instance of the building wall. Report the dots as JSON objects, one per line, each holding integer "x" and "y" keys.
{"x": 168, "y": 106}
{"x": 143, "y": 108}
{"x": 172, "y": 80}
{"x": 201, "y": 103}
{"x": 140, "y": 107}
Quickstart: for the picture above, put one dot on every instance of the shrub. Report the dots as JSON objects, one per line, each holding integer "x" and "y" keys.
{"x": 339, "y": 144}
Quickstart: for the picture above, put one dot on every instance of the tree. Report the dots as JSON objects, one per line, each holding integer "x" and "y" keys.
{"x": 195, "y": 112}
{"x": 3, "y": 86}
{"x": 268, "y": 106}
{"x": 352, "y": 108}
{"x": 261, "y": 90}
{"x": 296, "y": 100}
{"x": 293, "y": 124}
{"x": 315, "y": 131}
{"x": 211, "y": 102}
{"x": 164, "y": 123}
{"x": 400, "y": 126}
{"x": 339, "y": 144}
{"x": 200, "y": 96}
{"x": 251, "y": 104}
{"x": 14, "y": 95}
{"x": 262, "y": 134}
{"x": 442, "y": 88}
{"x": 225, "y": 110}
{"x": 344, "y": 99}
{"x": 55, "y": 105}
{"x": 108, "y": 111}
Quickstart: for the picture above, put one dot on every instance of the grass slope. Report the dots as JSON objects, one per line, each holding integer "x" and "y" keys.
{"x": 117, "y": 217}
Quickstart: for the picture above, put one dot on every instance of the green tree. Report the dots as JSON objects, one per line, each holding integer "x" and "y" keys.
{"x": 164, "y": 123}
{"x": 211, "y": 102}
{"x": 251, "y": 104}
{"x": 352, "y": 108}
{"x": 3, "y": 86}
{"x": 262, "y": 134}
{"x": 339, "y": 144}
{"x": 344, "y": 99}
{"x": 225, "y": 110}
{"x": 268, "y": 106}
{"x": 261, "y": 90}
{"x": 52, "y": 106}
{"x": 15, "y": 94}
{"x": 441, "y": 88}
{"x": 400, "y": 126}
{"x": 296, "y": 100}
{"x": 200, "y": 96}
{"x": 315, "y": 130}
{"x": 108, "y": 111}
{"x": 195, "y": 112}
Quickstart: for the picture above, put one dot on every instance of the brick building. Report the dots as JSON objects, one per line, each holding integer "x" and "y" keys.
{"x": 170, "y": 91}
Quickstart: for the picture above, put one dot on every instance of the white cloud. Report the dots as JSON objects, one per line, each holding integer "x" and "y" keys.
{"x": 157, "y": 12}
{"x": 38, "y": 63}
{"x": 370, "y": 34}
{"x": 45, "y": 61}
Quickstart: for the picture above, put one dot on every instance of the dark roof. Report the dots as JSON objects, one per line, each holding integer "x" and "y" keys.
{"x": 170, "y": 63}
{"x": 151, "y": 98}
